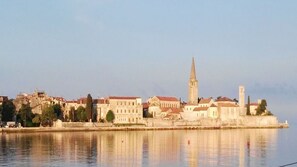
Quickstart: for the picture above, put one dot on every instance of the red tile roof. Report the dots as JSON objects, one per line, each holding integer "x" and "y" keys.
{"x": 201, "y": 109}
{"x": 82, "y": 100}
{"x": 59, "y": 98}
{"x": 71, "y": 101}
{"x": 173, "y": 110}
{"x": 176, "y": 110}
{"x": 163, "y": 98}
{"x": 123, "y": 97}
{"x": 145, "y": 105}
{"x": 205, "y": 101}
{"x": 213, "y": 105}
{"x": 227, "y": 105}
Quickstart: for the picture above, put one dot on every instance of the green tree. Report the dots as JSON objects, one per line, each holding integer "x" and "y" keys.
{"x": 89, "y": 107}
{"x": 72, "y": 114}
{"x": 48, "y": 116}
{"x": 248, "y": 107}
{"x": 25, "y": 114}
{"x": 81, "y": 114}
{"x": 261, "y": 107}
{"x": 36, "y": 120}
{"x": 7, "y": 111}
{"x": 110, "y": 116}
{"x": 58, "y": 111}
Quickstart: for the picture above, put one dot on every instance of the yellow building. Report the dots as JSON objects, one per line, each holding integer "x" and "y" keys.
{"x": 127, "y": 110}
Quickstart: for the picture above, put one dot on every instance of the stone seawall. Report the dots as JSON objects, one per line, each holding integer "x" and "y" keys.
{"x": 258, "y": 121}
{"x": 244, "y": 122}
{"x": 98, "y": 129}
{"x": 84, "y": 124}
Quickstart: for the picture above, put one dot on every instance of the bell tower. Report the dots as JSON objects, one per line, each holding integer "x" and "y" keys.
{"x": 193, "y": 85}
{"x": 241, "y": 100}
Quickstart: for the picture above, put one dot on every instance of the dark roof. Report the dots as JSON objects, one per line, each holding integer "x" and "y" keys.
{"x": 224, "y": 99}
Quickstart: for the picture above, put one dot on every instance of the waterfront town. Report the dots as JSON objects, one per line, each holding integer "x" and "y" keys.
{"x": 41, "y": 109}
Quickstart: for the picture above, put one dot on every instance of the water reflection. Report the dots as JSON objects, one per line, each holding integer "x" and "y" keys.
{"x": 248, "y": 147}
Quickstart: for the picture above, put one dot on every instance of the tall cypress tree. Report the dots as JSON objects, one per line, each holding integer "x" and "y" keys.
{"x": 248, "y": 107}
{"x": 8, "y": 110}
{"x": 89, "y": 107}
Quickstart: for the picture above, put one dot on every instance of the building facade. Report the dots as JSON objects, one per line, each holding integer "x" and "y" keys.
{"x": 127, "y": 110}
{"x": 161, "y": 106}
{"x": 228, "y": 109}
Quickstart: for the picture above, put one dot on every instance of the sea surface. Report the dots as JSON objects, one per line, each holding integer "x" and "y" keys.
{"x": 236, "y": 147}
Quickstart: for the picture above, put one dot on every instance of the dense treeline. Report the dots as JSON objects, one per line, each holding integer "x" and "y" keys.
{"x": 49, "y": 114}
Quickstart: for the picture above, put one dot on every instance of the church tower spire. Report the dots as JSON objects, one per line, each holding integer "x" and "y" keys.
{"x": 193, "y": 85}
{"x": 193, "y": 71}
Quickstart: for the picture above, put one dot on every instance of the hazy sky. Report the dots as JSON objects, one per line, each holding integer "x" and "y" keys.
{"x": 144, "y": 48}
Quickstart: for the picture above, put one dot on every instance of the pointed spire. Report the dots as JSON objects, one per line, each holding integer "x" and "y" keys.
{"x": 193, "y": 71}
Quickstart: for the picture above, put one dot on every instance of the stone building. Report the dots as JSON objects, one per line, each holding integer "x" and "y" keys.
{"x": 127, "y": 110}
{"x": 228, "y": 109}
{"x": 68, "y": 105}
{"x": 204, "y": 109}
{"x": 37, "y": 100}
{"x": 253, "y": 108}
{"x": 161, "y": 106}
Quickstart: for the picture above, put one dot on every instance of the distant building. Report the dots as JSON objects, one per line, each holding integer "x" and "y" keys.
{"x": 2, "y": 99}
{"x": 127, "y": 110}
{"x": 227, "y": 109}
{"x": 253, "y": 108}
{"x": 204, "y": 109}
{"x": 161, "y": 106}
{"x": 37, "y": 100}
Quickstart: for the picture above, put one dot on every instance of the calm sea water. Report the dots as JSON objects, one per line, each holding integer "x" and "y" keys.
{"x": 238, "y": 147}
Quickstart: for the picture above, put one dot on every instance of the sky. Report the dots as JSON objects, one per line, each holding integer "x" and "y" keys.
{"x": 71, "y": 48}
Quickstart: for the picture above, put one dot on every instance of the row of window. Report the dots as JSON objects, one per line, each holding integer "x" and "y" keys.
{"x": 169, "y": 105}
{"x": 121, "y": 111}
{"x": 214, "y": 114}
{"x": 124, "y": 103}
{"x": 125, "y": 119}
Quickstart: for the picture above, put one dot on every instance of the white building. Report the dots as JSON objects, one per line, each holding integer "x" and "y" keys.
{"x": 204, "y": 109}
{"x": 227, "y": 109}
